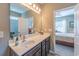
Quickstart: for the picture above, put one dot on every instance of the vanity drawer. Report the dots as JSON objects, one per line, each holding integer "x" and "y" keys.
{"x": 33, "y": 50}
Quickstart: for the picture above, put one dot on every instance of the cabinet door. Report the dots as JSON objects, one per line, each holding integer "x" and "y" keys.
{"x": 47, "y": 46}
{"x": 38, "y": 53}
{"x": 76, "y": 41}
{"x": 43, "y": 50}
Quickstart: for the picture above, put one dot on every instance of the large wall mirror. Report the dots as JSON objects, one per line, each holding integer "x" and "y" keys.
{"x": 21, "y": 20}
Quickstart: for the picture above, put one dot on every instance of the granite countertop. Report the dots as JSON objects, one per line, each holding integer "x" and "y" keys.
{"x": 30, "y": 42}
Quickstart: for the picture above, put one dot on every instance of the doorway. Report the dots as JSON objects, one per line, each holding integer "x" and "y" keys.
{"x": 64, "y": 31}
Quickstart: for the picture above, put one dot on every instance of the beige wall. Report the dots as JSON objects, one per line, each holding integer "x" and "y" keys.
{"x": 4, "y": 26}
{"x": 36, "y": 22}
{"x": 48, "y": 21}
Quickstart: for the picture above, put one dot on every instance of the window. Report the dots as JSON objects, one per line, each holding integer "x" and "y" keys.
{"x": 65, "y": 20}
{"x": 61, "y": 26}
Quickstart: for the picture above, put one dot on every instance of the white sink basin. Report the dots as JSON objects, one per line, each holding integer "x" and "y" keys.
{"x": 28, "y": 43}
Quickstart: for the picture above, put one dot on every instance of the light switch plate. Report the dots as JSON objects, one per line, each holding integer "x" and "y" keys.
{"x": 1, "y": 34}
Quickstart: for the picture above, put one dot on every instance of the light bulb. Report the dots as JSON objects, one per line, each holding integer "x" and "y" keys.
{"x": 36, "y": 8}
{"x": 39, "y": 10}
{"x": 34, "y": 5}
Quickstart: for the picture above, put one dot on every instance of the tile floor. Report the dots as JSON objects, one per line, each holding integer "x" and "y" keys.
{"x": 64, "y": 50}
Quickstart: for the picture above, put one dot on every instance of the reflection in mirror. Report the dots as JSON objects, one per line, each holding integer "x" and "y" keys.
{"x": 21, "y": 20}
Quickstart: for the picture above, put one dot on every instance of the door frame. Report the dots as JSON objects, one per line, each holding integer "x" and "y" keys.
{"x": 55, "y": 23}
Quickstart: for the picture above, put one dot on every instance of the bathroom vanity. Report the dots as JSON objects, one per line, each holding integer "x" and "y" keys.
{"x": 34, "y": 45}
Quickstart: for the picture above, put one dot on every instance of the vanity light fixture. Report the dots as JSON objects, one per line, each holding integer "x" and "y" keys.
{"x": 32, "y": 7}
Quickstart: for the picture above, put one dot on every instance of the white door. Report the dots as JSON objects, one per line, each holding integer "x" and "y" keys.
{"x": 76, "y": 41}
